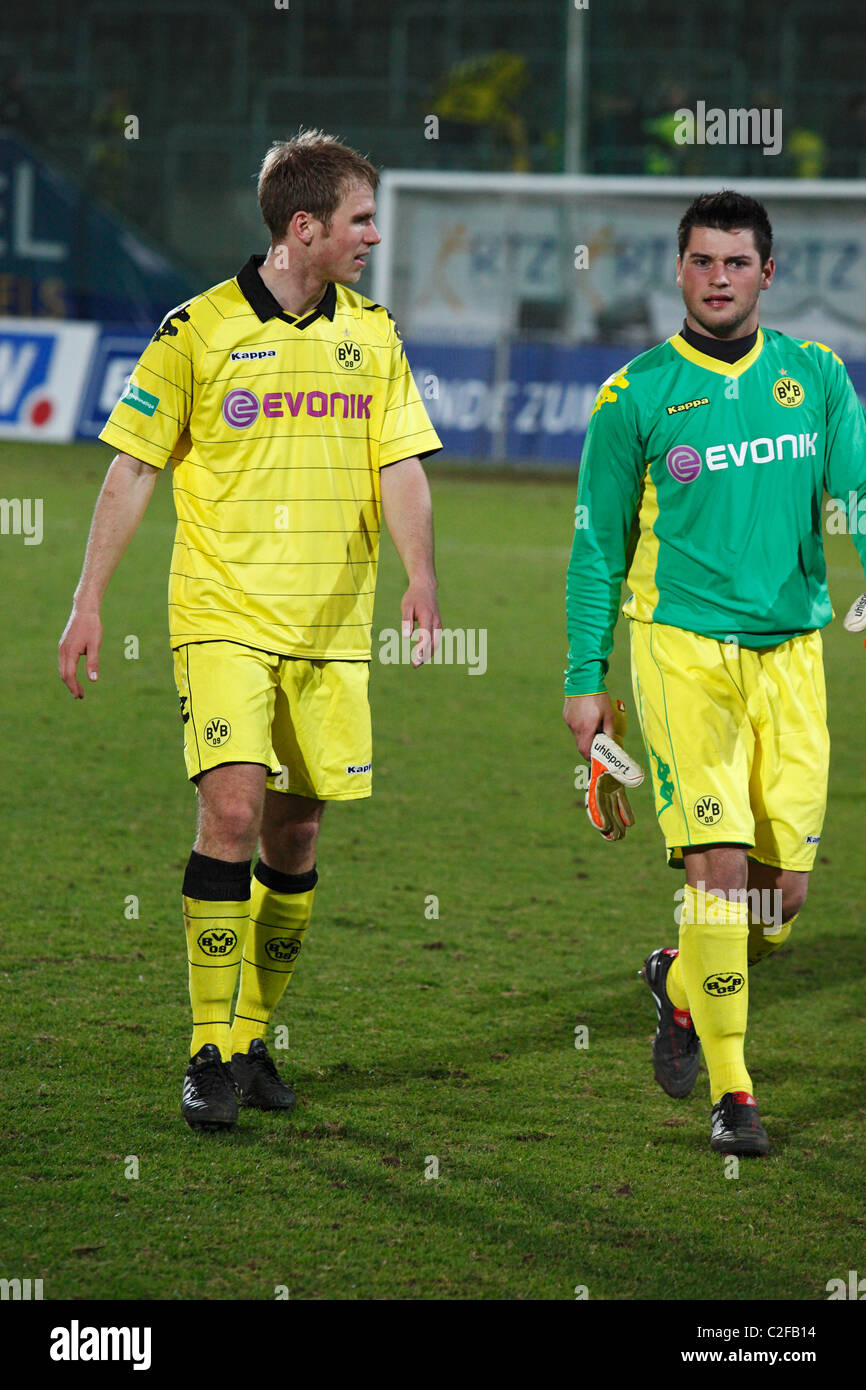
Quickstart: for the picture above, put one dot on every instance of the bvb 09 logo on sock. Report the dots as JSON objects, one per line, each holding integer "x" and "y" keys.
{"x": 720, "y": 985}
{"x": 282, "y": 949}
{"x": 218, "y": 943}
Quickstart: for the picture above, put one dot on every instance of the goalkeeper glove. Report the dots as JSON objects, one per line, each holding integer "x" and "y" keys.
{"x": 611, "y": 770}
{"x": 855, "y": 619}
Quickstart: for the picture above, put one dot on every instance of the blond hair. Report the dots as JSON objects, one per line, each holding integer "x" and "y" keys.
{"x": 309, "y": 173}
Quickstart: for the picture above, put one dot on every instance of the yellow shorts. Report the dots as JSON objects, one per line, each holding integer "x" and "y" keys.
{"x": 308, "y": 722}
{"x": 737, "y": 741}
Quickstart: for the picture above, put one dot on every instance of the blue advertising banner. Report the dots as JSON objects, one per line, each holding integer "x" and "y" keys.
{"x": 113, "y": 361}
{"x": 535, "y": 414}
{"x": 528, "y": 404}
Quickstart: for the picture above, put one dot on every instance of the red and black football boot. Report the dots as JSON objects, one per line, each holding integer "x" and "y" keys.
{"x": 676, "y": 1045}
{"x": 736, "y": 1126}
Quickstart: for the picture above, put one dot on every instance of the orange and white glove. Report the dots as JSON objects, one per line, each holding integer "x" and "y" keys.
{"x": 611, "y": 770}
{"x": 855, "y": 618}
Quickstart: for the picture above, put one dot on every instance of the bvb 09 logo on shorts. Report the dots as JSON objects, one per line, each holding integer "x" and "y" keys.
{"x": 218, "y": 943}
{"x": 349, "y": 355}
{"x": 282, "y": 949}
{"x": 708, "y": 810}
{"x": 788, "y": 392}
{"x": 217, "y": 732}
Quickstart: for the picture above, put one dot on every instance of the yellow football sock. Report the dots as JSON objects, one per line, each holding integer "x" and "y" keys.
{"x": 675, "y": 987}
{"x": 215, "y": 914}
{"x": 764, "y": 940}
{"x": 713, "y": 961}
{"x": 280, "y": 910}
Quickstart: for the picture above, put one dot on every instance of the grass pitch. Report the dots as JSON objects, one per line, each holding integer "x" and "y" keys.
{"x": 412, "y": 1037}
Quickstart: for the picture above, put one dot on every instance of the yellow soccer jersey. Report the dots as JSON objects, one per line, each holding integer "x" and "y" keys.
{"x": 276, "y": 429}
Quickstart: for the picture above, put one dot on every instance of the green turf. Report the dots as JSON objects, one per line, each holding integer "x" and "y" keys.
{"x": 409, "y": 1036}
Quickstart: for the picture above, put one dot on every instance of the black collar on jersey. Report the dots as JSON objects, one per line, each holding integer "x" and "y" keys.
{"x": 724, "y": 349}
{"x": 260, "y": 299}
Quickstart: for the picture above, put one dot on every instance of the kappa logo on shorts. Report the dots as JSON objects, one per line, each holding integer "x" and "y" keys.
{"x": 720, "y": 985}
{"x": 708, "y": 810}
{"x": 358, "y": 767}
{"x": 282, "y": 949}
{"x": 217, "y": 731}
{"x": 666, "y": 786}
{"x": 184, "y": 712}
{"x": 218, "y": 943}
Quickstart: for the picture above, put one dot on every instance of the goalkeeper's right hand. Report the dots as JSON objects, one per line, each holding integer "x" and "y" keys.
{"x": 611, "y": 770}
{"x": 855, "y": 618}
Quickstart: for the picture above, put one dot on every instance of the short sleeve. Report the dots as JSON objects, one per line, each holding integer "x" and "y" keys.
{"x": 406, "y": 427}
{"x": 153, "y": 411}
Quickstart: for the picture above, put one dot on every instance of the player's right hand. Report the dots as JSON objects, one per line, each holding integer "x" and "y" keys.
{"x": 82, "y": 637}
{"x": 587, "y": 715}
{"x": 855, "y": 618}
{"x": 611, "y": 770}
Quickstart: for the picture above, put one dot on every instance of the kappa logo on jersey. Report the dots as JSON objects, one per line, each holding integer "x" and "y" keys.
{"x": 685, "y": 462}
{"x": 788, "y": 392}
{"x": 217, "y": 732}
{"x": 708, "y": 810}
{"x": 169, "y": 329}
{"x": 252, "y": 356}
{"x": 240, "y": 407}
{"x": 721, "y": 985}
{"x": 358, "y": 767}
{"x": 607, "y": 395}
{"x": 688, "y": 405}
{"x": 218, "y": 943}
{"x": 282, "y": 949}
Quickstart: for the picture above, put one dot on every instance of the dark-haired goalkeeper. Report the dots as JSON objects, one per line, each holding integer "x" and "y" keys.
{"x": 703, "y": 475}
{"x": 285, "y": 405}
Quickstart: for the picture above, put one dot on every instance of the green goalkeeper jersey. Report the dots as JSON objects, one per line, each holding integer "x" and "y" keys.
{"x": 701, "y": 483}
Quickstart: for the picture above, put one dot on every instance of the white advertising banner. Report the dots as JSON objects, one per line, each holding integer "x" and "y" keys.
{"x": 44, "y": 364}
{"x": 593, "y": 261}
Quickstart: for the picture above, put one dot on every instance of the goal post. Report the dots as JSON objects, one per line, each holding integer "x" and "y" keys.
{"x": 517, "y": 290}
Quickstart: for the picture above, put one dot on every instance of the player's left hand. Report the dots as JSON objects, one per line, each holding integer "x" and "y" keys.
{"x": 420, "y": 611}
{"x": 855, "y": 620}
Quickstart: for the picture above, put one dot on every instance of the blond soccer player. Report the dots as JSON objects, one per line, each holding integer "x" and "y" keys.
{"x": 284, "y": 403}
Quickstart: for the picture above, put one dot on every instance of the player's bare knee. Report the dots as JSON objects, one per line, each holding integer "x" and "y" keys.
{"x": 230, "y": 825}
{"x": 793, "y": 898}
{"x": 301, "y": 836}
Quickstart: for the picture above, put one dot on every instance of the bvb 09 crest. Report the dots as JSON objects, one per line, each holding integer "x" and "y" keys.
{"x": 788, "y": 392}
{"x": 348, "y": 355}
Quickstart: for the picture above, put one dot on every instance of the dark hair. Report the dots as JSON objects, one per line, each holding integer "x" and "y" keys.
{"x": 728, "y": 211}
{"x": 309, "y": 173}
